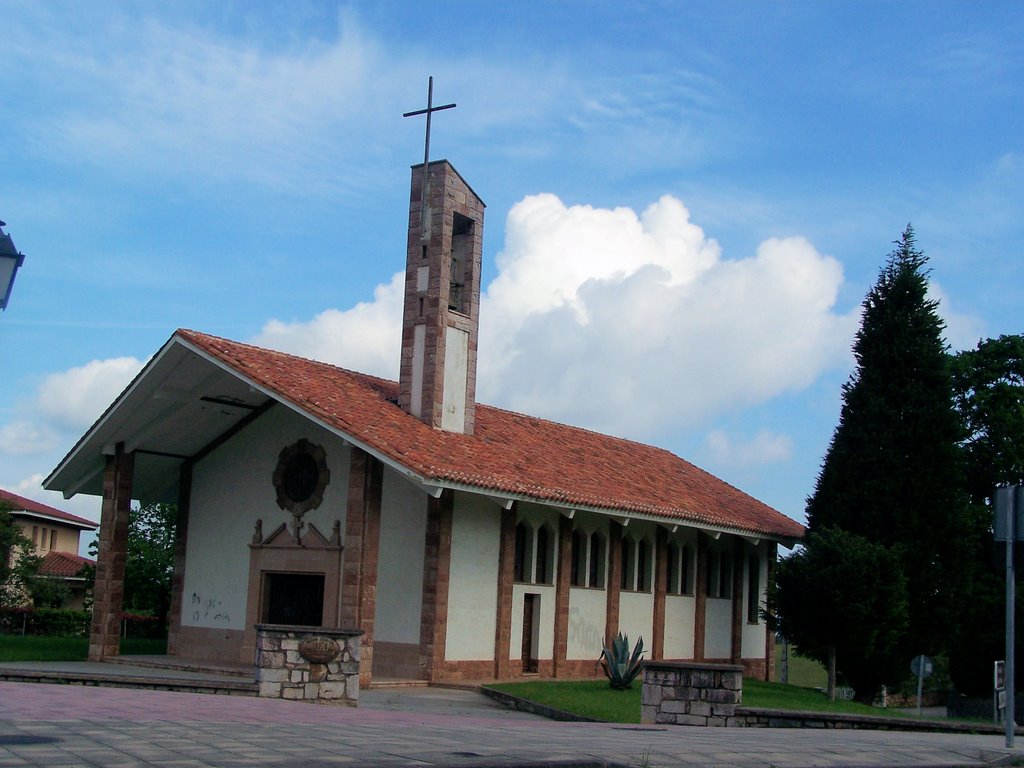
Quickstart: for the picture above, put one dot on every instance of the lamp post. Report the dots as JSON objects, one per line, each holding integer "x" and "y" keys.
{"x": 10, "y": 261}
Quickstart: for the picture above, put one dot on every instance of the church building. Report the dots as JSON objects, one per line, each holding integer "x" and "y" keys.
{"x": 464, "y": 541}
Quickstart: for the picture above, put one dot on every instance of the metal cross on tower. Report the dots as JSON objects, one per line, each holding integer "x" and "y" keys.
{"x": 424, "y": 221}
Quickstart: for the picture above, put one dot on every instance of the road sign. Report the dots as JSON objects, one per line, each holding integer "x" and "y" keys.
{"x": 921, "y": 666}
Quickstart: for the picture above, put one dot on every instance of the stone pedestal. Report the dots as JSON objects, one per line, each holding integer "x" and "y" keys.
{"x": 689, "y": 693}
{"x": 308, "y": 663}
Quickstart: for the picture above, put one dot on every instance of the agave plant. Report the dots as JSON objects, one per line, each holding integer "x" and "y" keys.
{"x": 619, "y": 665}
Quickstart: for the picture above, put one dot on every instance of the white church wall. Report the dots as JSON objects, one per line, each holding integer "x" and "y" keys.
{"x": 679, "y": 626}
{"x": 545, "y": 629}
{"x": 636, "y": 618}
{"x": 537, "y": 516}
{"x": 231, "y": 489}
{"x": 472, "y": 586}
{"x": 718, "y": 628}
{"x": 587, "y": 614}
{"x": 403, "y": 524}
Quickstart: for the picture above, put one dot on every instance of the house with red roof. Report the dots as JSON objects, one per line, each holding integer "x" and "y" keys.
{"x": 464, "y": 541}
{"x": 55, "y": 536}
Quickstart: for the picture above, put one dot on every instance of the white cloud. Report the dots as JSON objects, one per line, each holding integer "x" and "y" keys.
{"x": 629, "y": 324}
{"x": 64, "y": 405}
{"x": 74, "y": 399}
{"x": 636, "y": 325}
{"x": 25, "y": 437}
{"x": 366, "y": 338}
{"x": 963, "y": 331}
{"x": 764, "y": 448}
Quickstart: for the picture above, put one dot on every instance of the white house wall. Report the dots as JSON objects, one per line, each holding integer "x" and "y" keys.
{"x": 403, "y": 523}
{"x": 232, "y": 488}
{"x": 472, "y": 586}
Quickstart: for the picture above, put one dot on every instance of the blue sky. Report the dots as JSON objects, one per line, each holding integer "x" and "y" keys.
{"x": 686, "y": 201}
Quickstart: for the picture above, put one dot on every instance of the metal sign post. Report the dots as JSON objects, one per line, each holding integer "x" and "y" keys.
{"x": 1009, "y": 503}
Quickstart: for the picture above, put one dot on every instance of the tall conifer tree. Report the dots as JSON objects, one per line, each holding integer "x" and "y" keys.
{"x": 892, "y": 474}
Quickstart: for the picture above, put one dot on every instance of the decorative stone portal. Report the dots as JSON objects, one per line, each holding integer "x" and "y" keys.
{"x": 688, "y": 693}
{"x": 294, "y": 580}
{"x": 308, "y": 663}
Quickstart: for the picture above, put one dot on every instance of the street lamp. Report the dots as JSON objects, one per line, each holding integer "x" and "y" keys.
{"x": 10, "y": 260}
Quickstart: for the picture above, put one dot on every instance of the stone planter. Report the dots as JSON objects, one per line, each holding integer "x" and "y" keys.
{"x": 689, "y": 693}
{"x": 308, "y": 663}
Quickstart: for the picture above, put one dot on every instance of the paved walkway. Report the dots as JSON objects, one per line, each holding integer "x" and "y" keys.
{"x": 71, "y": 726}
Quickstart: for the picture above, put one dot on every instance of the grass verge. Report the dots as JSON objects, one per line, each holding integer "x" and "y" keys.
{"x": 595, "y": 698}
{"x": 41, "y": 648}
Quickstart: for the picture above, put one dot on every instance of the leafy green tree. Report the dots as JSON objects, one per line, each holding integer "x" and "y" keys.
{"x": 893, "y": 472}
{"x": 856, "y": 628}
{"x": 18, "y": 561}
{"x": 149, "y": 565}
{"x": 149, "y": 560}
{"x": 988, "y": 384}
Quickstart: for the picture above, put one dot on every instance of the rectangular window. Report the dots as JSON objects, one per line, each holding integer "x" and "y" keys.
{"x": 53, "y": 538}
{"x": 686, "y": 587}
{"x": 35, "y": 535}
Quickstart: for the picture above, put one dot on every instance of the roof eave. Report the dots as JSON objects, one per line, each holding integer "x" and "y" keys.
{"x": 629, "y": 514}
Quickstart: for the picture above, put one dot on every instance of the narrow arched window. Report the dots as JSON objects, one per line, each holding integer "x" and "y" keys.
{"x": 543, "y": 572}
{"x": 522, "y": 558}
{"x": 595, "y": 575}
{"x": 643, "y": 566}
{"x": 578, "y": 574}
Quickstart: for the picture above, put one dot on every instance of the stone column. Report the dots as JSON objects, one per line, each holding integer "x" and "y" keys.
{"x": 436, "y": 575}
{"x": 108, "y": 592}
{"x": 700, "y": 597}
{"x": 613, "y": 585}
{"x": 506, "y": 569}
{"x": 562, "y": 596}
{"x": 361, "y": 554}
{"x": 660, "y": 580}
{"x": 180, "y": 543}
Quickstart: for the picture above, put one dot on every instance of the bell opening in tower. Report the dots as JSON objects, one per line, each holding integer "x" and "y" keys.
{"x": 462, "y": 249}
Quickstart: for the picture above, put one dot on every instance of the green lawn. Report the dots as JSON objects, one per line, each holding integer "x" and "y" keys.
{"x": 596, "y": 699}
{"x": 802, "y": 672}
{"x": 40, "y": 648}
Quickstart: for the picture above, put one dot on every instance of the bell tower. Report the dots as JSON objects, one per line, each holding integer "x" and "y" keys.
{"x": 440, "y": 322}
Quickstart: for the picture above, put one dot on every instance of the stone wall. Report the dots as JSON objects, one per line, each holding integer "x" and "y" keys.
{"x": 689, "y": 693}
{"x": 308, "y": 663}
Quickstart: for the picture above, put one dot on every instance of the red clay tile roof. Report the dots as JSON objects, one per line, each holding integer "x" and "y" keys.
{"x": 21, "y": 504}
{"x": 63, "y": 564}
{"x": 509, "y": 453}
